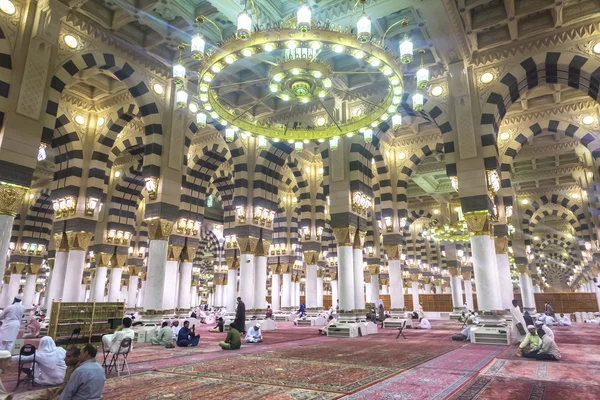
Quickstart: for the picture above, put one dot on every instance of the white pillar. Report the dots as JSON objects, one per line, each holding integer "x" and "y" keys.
{"x": 29, "y": 291}
{"x": 155, "y": 295}
{"x": 385, "y": 289}
{"x": 260, "y": 283}
{"x": 275, "y": 292}
{"x": 456, "y": 288}
{"x": 185, "y": 284}
{"x": 311, "y": 286}
{"x": 132, "y": 290}
{"x": 334, "y": 293}
{"x": 286, "y": 291}
{"x": 346, "y": 278}
{"x": 141, "y": 295}
{"x": 447, "y": 290}
{"x": 320, "y": 290}
{"x": 396, "y": 287}
{"x": 359, "y": 277}
{"x": 374, "y": 289}
{"x": 12, "y": 289}
{"x": 57, "y": 280}
{"x": 219, "y": 295}
{"x": 231, "y": 290}
{"x": 37, "y": 299}
{"x": 123, "y": 295}
{"x": 98, "y": 284}
{"x": 506, "y": 287}
{"x": 6, "y": 224}
{"x": 531, "y": 294}
{"x": 415, "y": 295}
{"x": 74, "y": 275}
{"x": 114, "y": 285}
{"x": 486, "y": 273}
{"x": 438, "y": 289}
{"x": 193, "y": 296}
{"x": 428, "y": 288}
{"x": 247, "y": 280}
{"x": 469, "y": 293}
{"x": 297, "y": 294}
{"x": 526, "y": 294}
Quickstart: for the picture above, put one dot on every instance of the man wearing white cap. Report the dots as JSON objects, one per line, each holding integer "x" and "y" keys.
{"x": 11, "y": 323}
{"x": 254, "y": 335}
{"x": 545, "y": 328}
{"x": 531, "y": 343}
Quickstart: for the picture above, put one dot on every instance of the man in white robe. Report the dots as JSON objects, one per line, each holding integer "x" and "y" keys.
{"x": 254, "y": 335}
{"x": 50, "y": 364}
{"x": 11, "y": 323}
{"x": 545, "y": 328}
{"x": 112, "y": 342}
{"x": 423, "y": 324}
{"x": 564, "y": 320}
{"x": 517, "y": 317}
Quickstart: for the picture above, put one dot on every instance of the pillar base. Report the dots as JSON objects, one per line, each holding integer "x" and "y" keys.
{"x": 492, "y": 318}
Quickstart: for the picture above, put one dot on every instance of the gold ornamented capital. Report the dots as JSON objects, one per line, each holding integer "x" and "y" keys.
{"x": 393, "y": 251}
{"x": 275, "y": 269}
{"x": 334, "y": 276}
{"x": 262, "y": 247}
{"x": 159, "y": 228}
{"x": 479, "y": 222}
{"x": 466, "y": 276}
{"x": 247, "y": 244}
{"x": 286, "y": 268}
{"x": 427, "y": 280}
{"x": 414, "y": 277}
{"x": 11, "y": 198}
{"x": 118, "y": 260}
{"x": 320, "y": 273}
{"x": 310, "y": 257}
{"x": 79, "y": 240}
{"x": 367, "y": 277}
{"x": 374, "y": 269}
{"x": 384, "y": 281}
{"x": 232, "y": 262}
{"x": 344, "y": 236}
{"x": 437, "y": 282}
{"x": 523, "y": 269}
{"x": 454, "y": 271}
{"x": 102, "y": 259}
{"x": 174, "y": 252}
{"x": 61, "y": 242}
{"x": 188, "y": 254}
{"x": 17, "y": 267}
{"x": 359, "y": 239}
{"x": 501, "y": 245}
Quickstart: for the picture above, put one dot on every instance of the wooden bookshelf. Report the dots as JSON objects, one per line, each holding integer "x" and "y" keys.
{"x": 92, "y": 318}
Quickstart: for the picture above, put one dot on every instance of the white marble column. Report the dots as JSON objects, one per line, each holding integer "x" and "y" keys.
{"x": 428, "y": 288}
{"x": 486, "y": 273}
{"x": 468, "y": 290}
{"x": 219, "y": 289}
{"x": 260, "y": 282}
{"x": 123, "y": 295}
{"x": 6, "y": 224}
{"x": 12, "y": 289}
{"x": 447, "y": 290}
{"x": 505, "y": 281}
{"x": 320, "y": 290}
{"x": 98, "y": 283}
{"x": 456, "y": 288}
{"x": 132, "y": 290}
{"x": 374, "y": 288}
{"x": 193, "y": 296}
{"x": 38, "y": 298}
{"x": 247, "y": 280}
{"x": 275, "y": 292}
{"x": 211, "y": 299}
{"x": 154, "y": 293}
{"x": 185, "y": 283}
{"x": 396, "y": 287}
{"x": 385, "y": 289}
{"x": 531, "y": 293}
{"x": 359, "y": 276}
{"x": 29, "y": 291}
{"x": 297, "y": 294}
{"x": 526, "y": 289}
{"x": 114, "y": 285}
{"x": 57, "y": 279}
{"x": 231, "y": 290}
{"x": 334, "y": 292}
{"x": 346, "y": 279}
{"x": 438, "y": 289}
{"x": 286, "y": 290}
{"x": 141, "y": 295}
{"x": 74, "y": 275}
{"x": 311, "y": 286}
{"x": 415, "y": 293}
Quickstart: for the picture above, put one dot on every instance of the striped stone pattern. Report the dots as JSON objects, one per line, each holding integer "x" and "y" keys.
{"x": 240, "y": 168}
{"x": 125, "y": 199}
{"x": 38, "y": 223}
{"x": 267, "y": 174}
{"x": 5, "y": 74}
{"x": 68, "y": 158}
{"x": 225, "y": 186}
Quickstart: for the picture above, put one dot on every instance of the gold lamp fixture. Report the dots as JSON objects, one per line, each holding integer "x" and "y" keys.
{"x": 64, "y": 206}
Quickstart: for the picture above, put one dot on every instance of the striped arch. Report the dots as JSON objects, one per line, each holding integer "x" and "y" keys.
{"x": 142, "y": 236}
{"x": 68, "y": 160}
{"x": 104, "y": 154}
{"x": 567, "y": 244}
{"x": 579, "y": 223}
{"x": 267, "y": 174}
{"x": 215, "y": 245}
{"x": 564, "y": 213}
{"x": 124, "y": 202}
{"x": 415, "y": 244}
{"x": 410, "y": 165}
{"x": 553, "y": 67}
{"x": 384, "y": 201}
{"x": 303, "y": 193}
{"x": 585, "y": 136}
{"x": 143, "y": 97}
{"x": 5, "y": 73}
{"x": 240, "y": 168}
{"x": 223, "y": 181}
{"x": 200, "y": 171}
{"x": 38, "y": 223}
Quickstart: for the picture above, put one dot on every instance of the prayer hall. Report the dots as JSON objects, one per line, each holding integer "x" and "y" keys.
{"x": 299, "y": 199}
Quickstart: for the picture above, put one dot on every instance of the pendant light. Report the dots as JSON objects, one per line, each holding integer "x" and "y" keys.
{"x": 417, "y": 101}
{"x": 396, "y": 121}
{"x": 201, "y": 120}
{"x": 304, "y": 18}
{"x": 422, "y": 73}
{"x": 363, "y": 26}
{"x": 406, "y": 50}
{"x": 229, "y": 135}
{"x": 244, "y": 24}
{"x": 181, "y": 97}
{"x": 368, "y": 134}
{"x": 179, "y": 69}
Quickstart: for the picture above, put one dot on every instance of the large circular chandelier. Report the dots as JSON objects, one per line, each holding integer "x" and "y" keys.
{"x": 297, "y": 65}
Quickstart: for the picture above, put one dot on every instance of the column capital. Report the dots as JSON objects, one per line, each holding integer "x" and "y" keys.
{"x": 79, "y": 240}
{"x": 11, "y": 198}
{"x": 384, "y": 281}
{"x": 262, "y": 247}
{"x": 466, "y": 276}
{"x": 232, "y": 262}
{"x": 454, "y": 271}
{"x": 159, "y": 228}
{"x": 333, "y": 275}
{"x": 523, "y": 269}
{"x": 501, "y": 245}
{"x": 393, "y": 251}
{"x": 61, "y": 242}
{"x": 34, "y": 268}
{"x": 320, "y": 273}
{"x": 275, "y": 269}
{"x": 478, "y": 222}
{"x": 374, "y": 269}
{"x": 311, "y": 257}
{"x": 118, "y": 260}
{"x": 219, "y": 280}
{"x": 359, "y": 239}
{"x": 414, "y": 277}
{"x": 102, "y": 259}
{"x": 174, "y": 252}
{"x": 344, "y": 236}
{"x": 367, "y": 276}
{"x": 247, "y": 244}
{"x": 286, "y": 268}
{"x": 134, "y": 270}
{"x": 17, "y": 267}
{"x": 188, "y": 254}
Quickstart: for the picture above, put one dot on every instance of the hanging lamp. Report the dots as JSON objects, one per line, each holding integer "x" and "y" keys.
{"x": 304, "y": 18}
{"x": 244, "y": 24}
{"x": 363, "y": 25}
{"x": 422, "y": 73}
{"x": 179, "y": 69}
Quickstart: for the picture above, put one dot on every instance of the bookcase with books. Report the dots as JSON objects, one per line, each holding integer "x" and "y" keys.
{"x": 92, "y": 319}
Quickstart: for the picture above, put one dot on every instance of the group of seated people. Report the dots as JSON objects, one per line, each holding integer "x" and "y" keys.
{"x": 539, "y": 343}
{"x": 233, "y": 341}
{"x": 73, "y": 373}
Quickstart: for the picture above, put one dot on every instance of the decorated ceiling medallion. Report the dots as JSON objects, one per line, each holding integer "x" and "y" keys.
{"x": 297, "y": 76}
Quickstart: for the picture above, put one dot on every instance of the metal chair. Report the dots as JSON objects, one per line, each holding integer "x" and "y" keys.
{"x": 75, "y": 333}
{"x": 401, "y": 329}
{"x": 27, "y": 350}
{"x": 123, "y": 351}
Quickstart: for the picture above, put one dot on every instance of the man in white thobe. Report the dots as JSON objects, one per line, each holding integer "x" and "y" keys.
{"x": 517, "y": 317}
{"x": 423, "y": 324}
{"x": 545, "y": 328}
{"x": 254, "y": 335}
{"x": 11, "y": 323}
{"x": 564, "y": 320}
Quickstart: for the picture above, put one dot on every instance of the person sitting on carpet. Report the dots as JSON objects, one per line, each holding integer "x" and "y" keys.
{"x": 527, "y": 318}
{"x": 175, "y": 328}
{"x": 233, "y": 340}
{"x": 330, "y": 321}
{"x": 164, "y": 336}
{"x": 254, "y": 335}
{"x": 595, "y": 320}
{"x": 87, "y": 381}
{"x": 548, "y": 351}
{"x": 5, "y": 358}
{"x": 49, "y": 363}
{"x": 541, "y": 326}
{"x": 531, "y": 343}
{"x": 112, "y": 342}
{"x": 423, "y": 324}
{"x": 219, "y": 327}
{"x": 564, "y": 320}
{"x": 551, "y": 321}
{"x": 465, "y": 334}
{"x": 269, "y": 313}
{"x": 187, "y": 337}
{"x": 414, "y": 315}
{"x": 53, "y": 393}
{"x": 32, "y": 328}
{"x": 548, "y": 310}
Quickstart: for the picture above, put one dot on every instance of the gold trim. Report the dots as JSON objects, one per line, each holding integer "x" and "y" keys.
{"x": 232, "y": 262}
{"x": 501, "y": 245}
{"x": 174, "y": 252}
{"x": 466, "y": 276}
{"x": 102, "y": 259}
{"x": 247, "y": 244}
{"x": 479, "y": 222}
{"x": 188, "y": 254}
{"x": 11, "y": 198}
{"x": 393, "y": 251}
{"x": 79, "y": 240}
{"x": 344, "y": 236}
{"x": 359, "y": 239}
{"x": 310, "y": 257}
{"x": 374, "y": 269}
{"x": 454, "y": 271}
{"x": 159, "y": 228}
{"x": 61, "y": 242}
